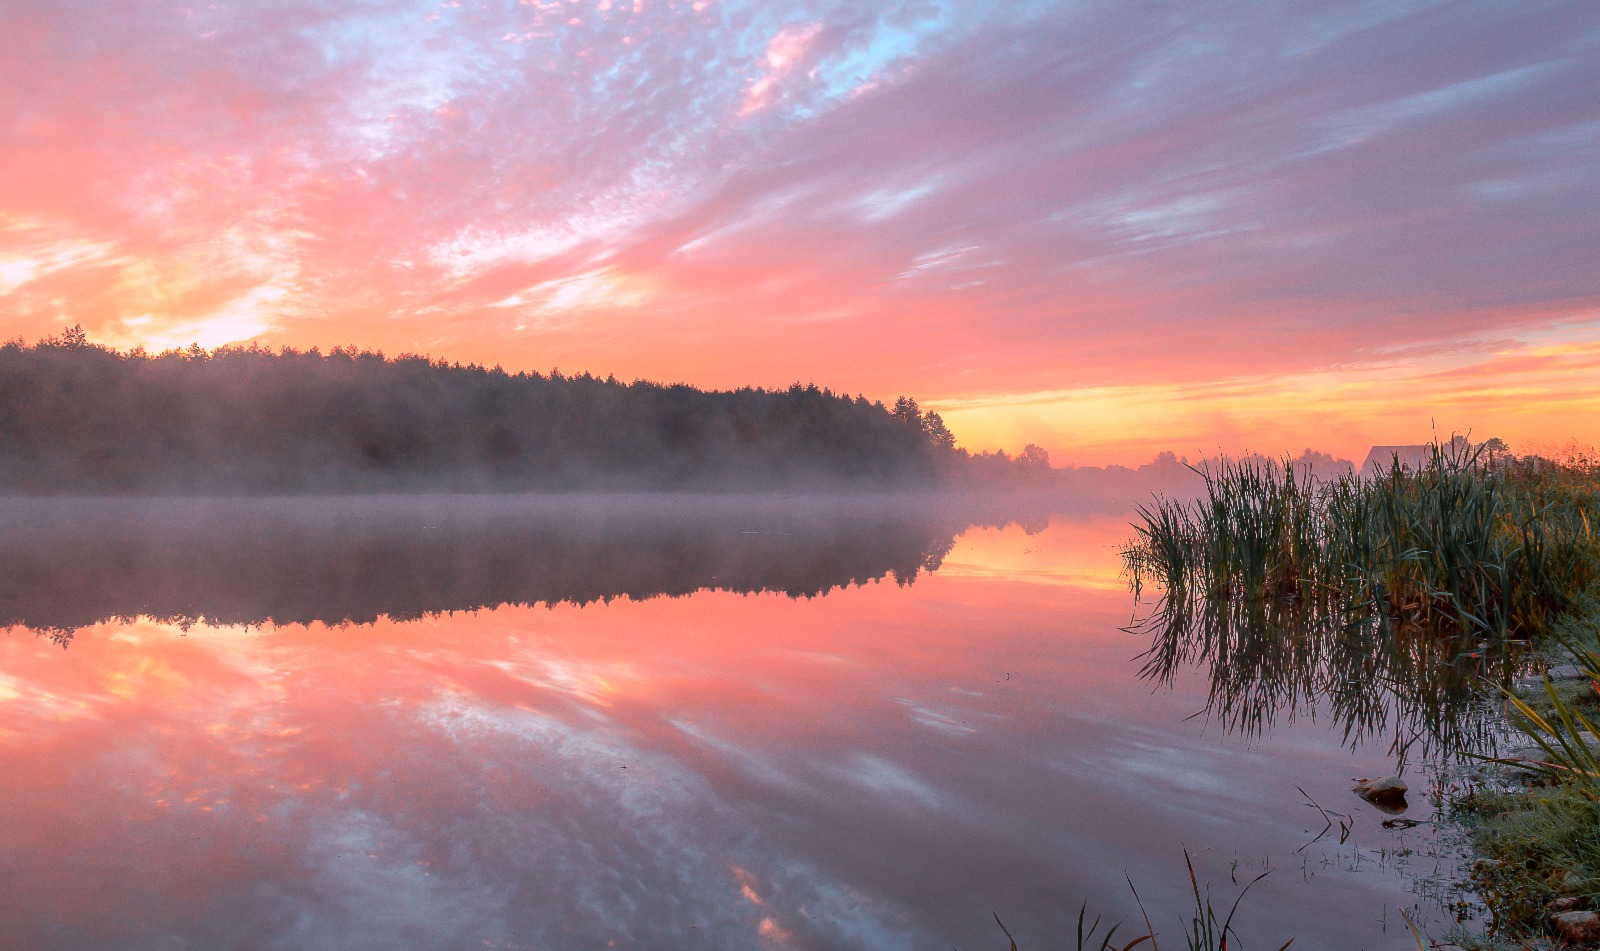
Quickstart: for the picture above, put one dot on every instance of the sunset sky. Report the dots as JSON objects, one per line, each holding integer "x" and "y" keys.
{"x": 1109, "y": 227}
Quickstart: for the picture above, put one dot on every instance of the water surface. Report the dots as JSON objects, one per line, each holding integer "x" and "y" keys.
{"x": 557, "y": 724}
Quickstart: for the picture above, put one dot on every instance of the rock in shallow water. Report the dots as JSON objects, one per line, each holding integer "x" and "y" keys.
{"x": 1388, "y": 794}
{"x": 1564, "y": 672}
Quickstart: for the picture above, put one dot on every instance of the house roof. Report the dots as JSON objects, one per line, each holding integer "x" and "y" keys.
{"x": 1381, "y": 458}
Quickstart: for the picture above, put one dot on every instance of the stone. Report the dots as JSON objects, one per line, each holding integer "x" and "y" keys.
{"x": 1569, "y": 903}
{"x": 1565, "y": 672}
{"x": 1388, "y": 794}
{"x": 1578, "y": 927}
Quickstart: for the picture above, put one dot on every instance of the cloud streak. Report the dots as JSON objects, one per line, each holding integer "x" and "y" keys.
{"x": 957, "y": 201}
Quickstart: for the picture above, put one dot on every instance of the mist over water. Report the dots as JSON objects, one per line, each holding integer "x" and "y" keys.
{"x": 641, "y": 721}
{"x": 67, "y": 563}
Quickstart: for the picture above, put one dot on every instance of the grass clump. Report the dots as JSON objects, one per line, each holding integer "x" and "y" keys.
{"x": 1538, "y": 847}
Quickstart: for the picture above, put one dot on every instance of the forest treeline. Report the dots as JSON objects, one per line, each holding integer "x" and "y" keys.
{"x": 82, "y": 418}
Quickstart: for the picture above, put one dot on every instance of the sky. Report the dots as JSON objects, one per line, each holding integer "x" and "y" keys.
{"x": 1108, "y": 227}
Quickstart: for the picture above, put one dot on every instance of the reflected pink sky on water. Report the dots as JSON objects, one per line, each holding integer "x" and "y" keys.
{"x": 879, "y": 767}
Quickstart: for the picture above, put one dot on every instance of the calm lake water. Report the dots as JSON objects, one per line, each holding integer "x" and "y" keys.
{"x": 459, "y": 723}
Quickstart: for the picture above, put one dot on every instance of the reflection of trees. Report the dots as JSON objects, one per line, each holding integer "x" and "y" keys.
{"x": 1277, "y": 660}
{"x": 66, "y": 564}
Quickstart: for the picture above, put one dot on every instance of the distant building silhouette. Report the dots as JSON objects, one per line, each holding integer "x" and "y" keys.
{"x": 1380, "y": 458}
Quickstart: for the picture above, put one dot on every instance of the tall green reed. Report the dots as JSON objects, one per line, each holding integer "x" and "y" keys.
{"x": 1459, "y": 543}
{"x": 1567, "y": 737}
{"x": 1388, "y": 595}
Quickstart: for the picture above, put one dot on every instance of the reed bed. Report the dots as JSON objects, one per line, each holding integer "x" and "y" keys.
{"x": 1401, "y": 599}
{"x": 1390, "y": 598}
{"x": 1462, "y": 544}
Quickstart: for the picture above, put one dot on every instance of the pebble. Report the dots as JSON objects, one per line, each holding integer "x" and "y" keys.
{"x": 1578, "y": 927}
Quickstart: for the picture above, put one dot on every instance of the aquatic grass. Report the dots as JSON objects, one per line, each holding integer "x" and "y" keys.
{"x": 1086, "y": 938}
{"x": 1460, "y": 543}
{"x": 1272, "y": 661}
{"x": 1568, "y": 757}
{"x": 1253, "y": 536}
{"x": 1416, "y": 933}
{"x": 1404, "y": 599}
{"x": 1561, "y": 725}
{"x": 1389, "y": 595}
{"x": 1204, "y": 931}
{"x": 1542, "y": 844}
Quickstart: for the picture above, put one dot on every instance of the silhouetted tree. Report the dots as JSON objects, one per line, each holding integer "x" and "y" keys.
{"x": 907, "y": 413}
{"x": 1033, "y": 457}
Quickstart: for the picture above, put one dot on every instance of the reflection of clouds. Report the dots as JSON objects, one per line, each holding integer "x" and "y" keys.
{"x": 594, "y": 683}
{"x": 951, "y": 720}
{"x": 888, "y": 780}
{"x": 330, "y": 820}
{"x": 536, "y": 835}
{"x": 764, "y": 769}
{"x": 850, "y": 771}
{"x": 373, "y": 889}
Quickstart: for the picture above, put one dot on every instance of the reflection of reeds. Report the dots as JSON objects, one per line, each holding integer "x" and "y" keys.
{"x": 1405, "y": 585}
{"x": 1270, "y": 660}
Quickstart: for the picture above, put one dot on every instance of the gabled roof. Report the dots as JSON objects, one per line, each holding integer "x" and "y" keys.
{"x": 1380, "y": 458}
